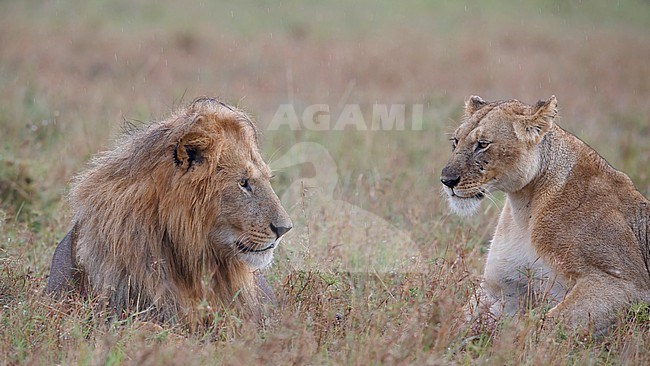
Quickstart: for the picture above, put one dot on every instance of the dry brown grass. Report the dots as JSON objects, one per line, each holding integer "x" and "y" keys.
{"x": 71, "y": 71}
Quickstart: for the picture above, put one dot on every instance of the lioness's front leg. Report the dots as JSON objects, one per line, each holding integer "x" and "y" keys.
{"x": 505, "y": 284}
{"x": 499, "y": 292}
{"x": 503, "y": 289}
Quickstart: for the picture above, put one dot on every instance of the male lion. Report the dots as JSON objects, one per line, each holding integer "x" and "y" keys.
{"x": 179, "y": 212}
{"x": 573, "y": 228}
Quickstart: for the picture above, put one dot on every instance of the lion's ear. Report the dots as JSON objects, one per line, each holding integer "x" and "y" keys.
{"x": 193, "y": 147}
{"x": 533, "y": 128}
{"x": 473, "y": 104}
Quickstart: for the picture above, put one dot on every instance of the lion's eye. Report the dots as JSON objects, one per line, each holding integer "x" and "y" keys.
{"x": 482, "y": 144}
{"x": 244, "y": 184}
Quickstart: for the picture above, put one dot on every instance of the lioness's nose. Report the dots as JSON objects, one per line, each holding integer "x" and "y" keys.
{"x": 280, "y": 230}
{"x": 450, "y": 181}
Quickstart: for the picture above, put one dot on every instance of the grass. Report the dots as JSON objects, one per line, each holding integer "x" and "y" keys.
{"x": 71, "y": 71}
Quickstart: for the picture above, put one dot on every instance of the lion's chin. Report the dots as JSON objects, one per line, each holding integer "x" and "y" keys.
{"x": 463, "y": 206}
{"x": 257, "y": 260}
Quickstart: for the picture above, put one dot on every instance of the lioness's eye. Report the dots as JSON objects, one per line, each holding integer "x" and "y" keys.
{"x": 482, "y": 144}
{"x": 454, "y": 142}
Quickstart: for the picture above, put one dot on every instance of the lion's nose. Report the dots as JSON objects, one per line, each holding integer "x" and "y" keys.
{"x": 450, "y": 181}
{"x": 280, "y": 230}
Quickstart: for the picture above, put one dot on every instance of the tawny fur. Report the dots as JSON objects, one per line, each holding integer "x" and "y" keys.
{"x": 173, "y": 215}
{"x": 573, "y": 230}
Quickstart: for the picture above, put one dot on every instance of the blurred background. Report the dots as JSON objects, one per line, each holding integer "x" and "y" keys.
{"x": 72, "y": 71}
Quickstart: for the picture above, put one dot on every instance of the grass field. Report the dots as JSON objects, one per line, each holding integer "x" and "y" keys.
{"x": 72, "y": 71}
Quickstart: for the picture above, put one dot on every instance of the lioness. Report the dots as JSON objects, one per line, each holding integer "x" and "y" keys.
{"x": 180, "y": 212}
{"x": 573, "y": 228}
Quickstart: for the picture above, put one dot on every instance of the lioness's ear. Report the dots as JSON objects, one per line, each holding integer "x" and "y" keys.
{"x": 532, "y": 129}
{"x": 473, "y": 104}
{"x": 193, "y": 147}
